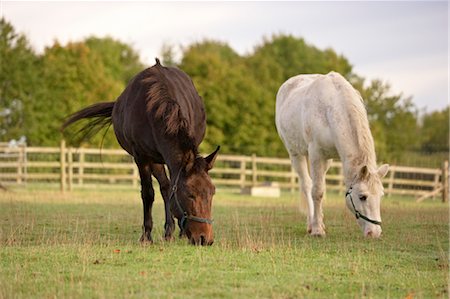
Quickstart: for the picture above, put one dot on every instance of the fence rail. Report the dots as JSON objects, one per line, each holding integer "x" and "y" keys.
{"x": 72, "y": 168}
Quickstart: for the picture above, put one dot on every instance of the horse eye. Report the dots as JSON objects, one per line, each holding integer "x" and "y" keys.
{"x": 362, "y": 198}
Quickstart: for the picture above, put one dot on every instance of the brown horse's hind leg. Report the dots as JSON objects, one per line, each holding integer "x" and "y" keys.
{"x": 164, "y": 184}
{"x": 148, "y": 196}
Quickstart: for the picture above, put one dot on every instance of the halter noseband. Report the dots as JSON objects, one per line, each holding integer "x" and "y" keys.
{"x": 358, "y": 213}
{"x": 185, "y": 216}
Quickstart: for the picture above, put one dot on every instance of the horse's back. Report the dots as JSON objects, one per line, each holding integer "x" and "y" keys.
{"x": 294, "y": 85}
{"x": 308, "y": 110}
{"x": 300, "y": 85}
{"x": 141, "y": 112}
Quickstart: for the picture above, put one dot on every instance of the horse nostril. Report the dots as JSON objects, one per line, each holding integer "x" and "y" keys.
{"x": 369, "y": 233}
{"x": 202, "y": 240}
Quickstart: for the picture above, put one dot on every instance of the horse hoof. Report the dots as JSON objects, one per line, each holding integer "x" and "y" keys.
{"x": 317, "y": 233}
{"x": 168, "y": 238}
{"x": 145, "y": 240}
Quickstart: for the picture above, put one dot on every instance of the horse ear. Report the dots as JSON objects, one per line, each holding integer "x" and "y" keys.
{"x": 189, "y": 161}
{"x": 211, "y": 159}
{"x": 363, "y": 173}
{"x": 383, "y": 170}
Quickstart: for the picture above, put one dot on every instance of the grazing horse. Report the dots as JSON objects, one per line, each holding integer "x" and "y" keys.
{"x": 323, "y": 117}
{"x": 160, "y": 119}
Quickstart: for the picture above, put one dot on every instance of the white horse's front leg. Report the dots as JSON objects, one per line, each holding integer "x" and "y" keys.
{"x": 318, "y": 168}
{"x": 300, "y": 165}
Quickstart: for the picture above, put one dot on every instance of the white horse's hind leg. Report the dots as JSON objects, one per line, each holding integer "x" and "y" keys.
{"x": 300, "y": 165}
{"x": 318, "y": 168}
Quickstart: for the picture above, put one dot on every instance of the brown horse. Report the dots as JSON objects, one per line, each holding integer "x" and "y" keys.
{"x": 160, "y": 119}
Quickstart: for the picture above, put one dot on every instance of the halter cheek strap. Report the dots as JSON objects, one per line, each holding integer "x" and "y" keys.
{"x": 185, "y": 216}
{"x": 358, "y": 213}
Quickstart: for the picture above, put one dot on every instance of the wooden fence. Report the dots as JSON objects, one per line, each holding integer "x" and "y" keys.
{"x": 83, "y": 167}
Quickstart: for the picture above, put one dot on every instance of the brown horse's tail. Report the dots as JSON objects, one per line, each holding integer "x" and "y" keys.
{"x": 97, "y": 116}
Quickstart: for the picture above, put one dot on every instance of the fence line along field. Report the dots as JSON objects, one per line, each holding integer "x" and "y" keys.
{"x": 87, "y": 167}
{"x": 84, "y": 244}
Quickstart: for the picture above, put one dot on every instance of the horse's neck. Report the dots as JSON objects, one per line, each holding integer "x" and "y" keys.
{"x": 174, "y": 171}
{"x": 177, "y": 161}
{"x": 357, "y": 149}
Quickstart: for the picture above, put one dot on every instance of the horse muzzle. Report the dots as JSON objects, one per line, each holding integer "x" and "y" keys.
{"x": 372, "y": 231}
{"x": 201, "y": 240}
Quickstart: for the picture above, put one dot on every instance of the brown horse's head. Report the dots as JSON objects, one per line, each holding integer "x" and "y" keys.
{"x": 193, "y": 200}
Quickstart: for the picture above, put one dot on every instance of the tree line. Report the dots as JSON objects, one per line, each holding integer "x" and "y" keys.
{"x": 37, "y": 91}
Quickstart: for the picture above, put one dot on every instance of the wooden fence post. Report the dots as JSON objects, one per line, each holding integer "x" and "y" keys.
{"x": 243, "y": 168}
{"x": 62, "y": 160}
{"x": 254, "y": 171}
{"x": 81, "y": 167}
{"x": 391, "y": 181}
{"x": 25, "y": 163}
{"x": 445, "y": 179}
{"x": 20, "y": 164}
{"x": 70, "y": 167}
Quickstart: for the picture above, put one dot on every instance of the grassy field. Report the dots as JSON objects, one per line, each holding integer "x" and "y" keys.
{"x": 84, "y": 244}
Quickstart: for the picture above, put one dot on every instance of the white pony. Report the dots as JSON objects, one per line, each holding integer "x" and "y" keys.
{"x": 323, "y": 117}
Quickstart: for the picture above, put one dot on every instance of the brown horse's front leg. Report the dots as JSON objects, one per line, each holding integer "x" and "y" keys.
{"x": 164, "y": 186}
{"x": 148, "y": 196}
{"x": 169, "y": 226}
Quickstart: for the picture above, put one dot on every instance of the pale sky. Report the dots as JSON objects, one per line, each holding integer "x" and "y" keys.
{"x": 402, "y": 43}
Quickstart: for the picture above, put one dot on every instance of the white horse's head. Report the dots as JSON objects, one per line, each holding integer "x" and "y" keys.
{"x": 363, "y": 199}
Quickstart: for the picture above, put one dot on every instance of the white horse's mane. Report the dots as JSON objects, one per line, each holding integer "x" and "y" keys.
{"x": 357, "y": 116}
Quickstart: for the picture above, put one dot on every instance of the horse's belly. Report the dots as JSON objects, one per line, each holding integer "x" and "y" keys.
{"x": 292, "y": 135}
{"x": 302, "y": 129}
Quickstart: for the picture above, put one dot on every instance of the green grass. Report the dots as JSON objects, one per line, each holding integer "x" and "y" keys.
{"x": 67, "y": 246}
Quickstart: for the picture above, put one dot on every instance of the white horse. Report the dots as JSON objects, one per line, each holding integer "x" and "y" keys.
{"x": 323, "y": 117}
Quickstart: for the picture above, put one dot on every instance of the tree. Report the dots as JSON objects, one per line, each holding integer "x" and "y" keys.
{"x": 168, "y": 55}
{"x": 73, "y": 77}
{"x": 435, "y": 131}
{"x": 239, "y": 91}
{"x": 120, "y": 61}
{"x": 271, "y": 64}
{"x": 38, "y": 92}
{"x": 18, "y": 81}
{"x": 393, "y": 119}
{"x": 220, "y": 77}
{"x": 293, "y": 56}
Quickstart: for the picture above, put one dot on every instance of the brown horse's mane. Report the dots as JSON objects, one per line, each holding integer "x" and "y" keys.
{"x": 164, "y": 107}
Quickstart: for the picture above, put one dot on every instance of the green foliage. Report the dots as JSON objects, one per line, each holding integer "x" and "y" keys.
{"x": 230, "y": 96}
{"x": 168, "y": 55}
{"x": 74, "y": 77}
{"x": 293, "y": 56}
{"x": 38, "y": 91}
{"x": 435, "y": 131}
{"x": 120, "y": 61}
{"x": 393, "y": 120}
{"x": 239, "y": 91}
{"x": 18, "y": 81}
